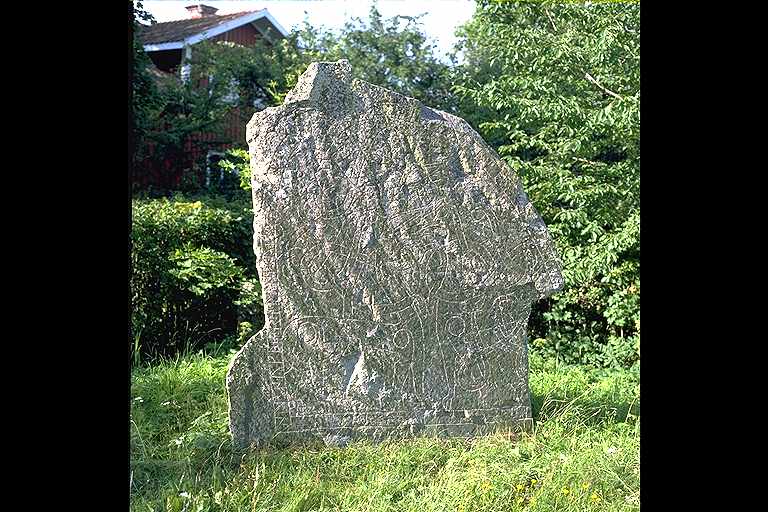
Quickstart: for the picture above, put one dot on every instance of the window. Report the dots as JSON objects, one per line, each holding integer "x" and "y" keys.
{"x": 214, "y": 174}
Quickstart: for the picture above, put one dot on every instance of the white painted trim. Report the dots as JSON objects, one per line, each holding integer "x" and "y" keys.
{"x": 163, "y": 46}
{"x": 218, "y": 29}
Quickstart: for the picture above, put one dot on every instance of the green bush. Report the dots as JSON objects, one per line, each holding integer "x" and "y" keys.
{"x": 190, "y": 261}
{"x": 237, "y": 163}
{"x": 555, "y": 88}
{"x": 251, "y": 312}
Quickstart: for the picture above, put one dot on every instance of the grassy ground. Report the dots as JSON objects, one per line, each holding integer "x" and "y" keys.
{"x": 582, "y": 455}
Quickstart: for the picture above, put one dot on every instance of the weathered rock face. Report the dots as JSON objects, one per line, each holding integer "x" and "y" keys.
{"x": 399, "y": 258}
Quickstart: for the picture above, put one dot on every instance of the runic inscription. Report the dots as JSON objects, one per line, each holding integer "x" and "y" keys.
{"x": 399, "y": 259}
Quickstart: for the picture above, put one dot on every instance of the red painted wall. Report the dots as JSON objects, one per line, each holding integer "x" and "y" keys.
{"x": 244, "y": 35}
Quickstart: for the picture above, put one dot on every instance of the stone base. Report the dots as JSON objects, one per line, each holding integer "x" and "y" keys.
{"x": 391, "y": 425}
{"x": 449, "y": 425}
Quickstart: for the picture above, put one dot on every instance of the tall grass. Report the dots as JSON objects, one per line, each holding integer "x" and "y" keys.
{"x": 583, "y": 453}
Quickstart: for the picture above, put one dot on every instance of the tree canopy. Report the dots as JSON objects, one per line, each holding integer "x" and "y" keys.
{"x": 555, "y": 87}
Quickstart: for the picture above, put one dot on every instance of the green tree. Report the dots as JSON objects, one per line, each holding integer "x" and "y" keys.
{"x": 394, "y": 53}
{"x": 555, "y": 88}
{"x": 246, "y": 79}
{"x": 145, "y": 94}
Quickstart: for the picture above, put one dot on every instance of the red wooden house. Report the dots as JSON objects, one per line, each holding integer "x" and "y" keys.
{"x": 170, "y": 46}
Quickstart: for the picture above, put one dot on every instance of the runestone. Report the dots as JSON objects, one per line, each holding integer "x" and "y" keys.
{"x": 399, "y": 259}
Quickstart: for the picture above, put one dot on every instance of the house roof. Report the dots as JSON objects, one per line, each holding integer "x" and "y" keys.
{"x": 176, "y": 34}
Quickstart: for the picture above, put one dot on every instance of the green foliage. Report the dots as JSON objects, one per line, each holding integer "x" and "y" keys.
{"x": 238, "y": 163}
{"x": 555, "y": 88}
{"x": 189, "y": 262}
{"x": 203, "y": 270}
{"x": 244, "y": 79}
{"x": 251, "y": 309}
{"x": 177, "y": 113}
{"x": 145, "y": 94}
{"x": 393, "y": 53}
{"x": 584, "y": 453}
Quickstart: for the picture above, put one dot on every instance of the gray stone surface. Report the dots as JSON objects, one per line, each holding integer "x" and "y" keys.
{"x": 399, "y": 259}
